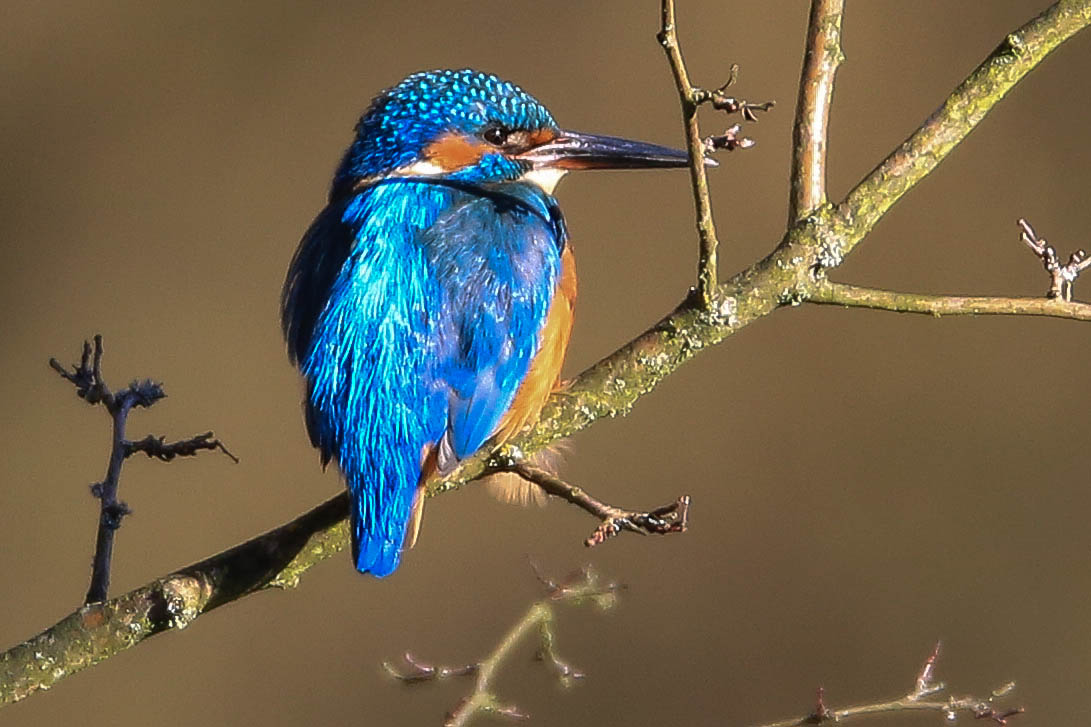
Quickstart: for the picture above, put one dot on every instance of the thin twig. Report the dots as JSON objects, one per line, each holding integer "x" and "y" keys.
{"x": 417, "y": 671}
{"x": 1061, "y": 276}
{"x": 855, "y": 296}
{"x": 92, "y": 388}
{"x": 915, "y": 701}
{"x": 810, "y": 131}
{"x": 691, "y": 98}
{"x": 672, "y": 518}
{"x": 707, "y": 274}
{"x": 580, "y": 587}
{"x": 158, "y": 448}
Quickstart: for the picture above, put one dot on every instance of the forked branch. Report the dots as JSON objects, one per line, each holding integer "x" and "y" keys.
{"x": 672, "y": 518}
{"x": 922, "y": 698}
{"x": 92, "y": 388}
{"x": 691, "y": 98}
{"x": 578, "y": 588}
{"x": 1061, "y": 276}
{"x": 1057, "y": 303}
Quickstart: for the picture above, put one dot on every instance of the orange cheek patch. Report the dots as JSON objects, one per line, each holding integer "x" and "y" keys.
{"x": 454, "y": 151}
{"x": 539, "y": 137}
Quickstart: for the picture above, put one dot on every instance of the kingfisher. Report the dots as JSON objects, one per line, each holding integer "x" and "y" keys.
{"x": 429, "y": 305}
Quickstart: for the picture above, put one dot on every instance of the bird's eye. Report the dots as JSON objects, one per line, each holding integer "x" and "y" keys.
{"x": 495, "y": 135}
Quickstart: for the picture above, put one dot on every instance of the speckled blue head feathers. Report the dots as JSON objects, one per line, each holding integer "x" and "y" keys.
{"x": 407, "y": 120}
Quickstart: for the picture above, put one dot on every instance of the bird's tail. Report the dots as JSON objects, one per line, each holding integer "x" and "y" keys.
{"x": 378, "y": 528}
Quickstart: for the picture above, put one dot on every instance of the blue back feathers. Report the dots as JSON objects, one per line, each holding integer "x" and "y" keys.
{"x": 413, "y": 304}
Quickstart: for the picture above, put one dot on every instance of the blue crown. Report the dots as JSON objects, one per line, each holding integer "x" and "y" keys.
{"x": 406, "y": 118}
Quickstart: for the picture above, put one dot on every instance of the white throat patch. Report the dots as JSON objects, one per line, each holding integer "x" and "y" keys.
{"x": 424, "y": 169}
{"x": 547, "y": 179}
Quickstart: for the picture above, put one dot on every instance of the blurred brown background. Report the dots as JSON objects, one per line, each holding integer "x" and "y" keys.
{"x": 863, "y": 483}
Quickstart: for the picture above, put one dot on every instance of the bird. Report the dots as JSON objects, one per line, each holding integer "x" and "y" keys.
{"x": 429, "y": 305}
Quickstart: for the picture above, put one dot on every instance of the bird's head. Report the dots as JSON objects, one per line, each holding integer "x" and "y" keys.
{"x": 473, "y": 127}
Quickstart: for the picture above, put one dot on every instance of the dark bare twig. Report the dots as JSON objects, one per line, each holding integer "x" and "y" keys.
{"x": 158, "y": 448}
{"x": 811, "y": 128}
{"x": 915, "y": 701}
{"x": 672, "y": 518}
{"x": 1061, "y": 276}
{"x": 92, "y": 388}
{"x": 580, "y": 587}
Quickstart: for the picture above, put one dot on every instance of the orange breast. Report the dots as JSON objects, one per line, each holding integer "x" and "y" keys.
{"x": 545, "y": 367}
{"x": 541, "y": 380}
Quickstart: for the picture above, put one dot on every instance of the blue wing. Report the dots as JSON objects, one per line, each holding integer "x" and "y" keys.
{"x": 413, "y": 309}
{"x": 309, "y": 285}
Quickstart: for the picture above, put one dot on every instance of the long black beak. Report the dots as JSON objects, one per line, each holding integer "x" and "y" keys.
{"x": 573, "y": 150}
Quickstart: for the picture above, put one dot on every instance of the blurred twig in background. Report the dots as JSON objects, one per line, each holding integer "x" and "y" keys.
{"x": 819, "y": 236}
{"x": 581, "y": 587}
{"x": 584, "y": 587}
{"x": 922, "y": 698}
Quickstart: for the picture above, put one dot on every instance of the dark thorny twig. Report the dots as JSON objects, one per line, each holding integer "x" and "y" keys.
{"x": 92, "y": 388}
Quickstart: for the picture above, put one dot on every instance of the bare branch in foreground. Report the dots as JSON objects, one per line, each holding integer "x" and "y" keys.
{"x": 810, "y": 131}
{"x": 579, "y": 588}
{"x": 672, "y": 518}
{"x": 915, "y": 701}
{"x": 1061, "y": 276}
{"x": 92, "y": 388}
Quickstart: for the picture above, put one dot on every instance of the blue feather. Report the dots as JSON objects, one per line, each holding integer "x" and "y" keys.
{"x": 424, "y": 331}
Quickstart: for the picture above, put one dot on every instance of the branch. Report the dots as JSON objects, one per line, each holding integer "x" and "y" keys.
{"x": 158, "y": 448}
{"x": 1057, "y": 304}
{"x": 810, "y": 131}
{"x": 707, "y": 275}
{"x": 579, "y": 588}
{"x": 97, "y": 631}
{"x": 610, "y": 388}
{"x": 92, "y": 388}
{"x": 960, "y": 114}
{"x": 915, "y": 701}
{"x": 672, "y": 518}
{"x": 691, "y": 98}
{"x": 854, "y": 296}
